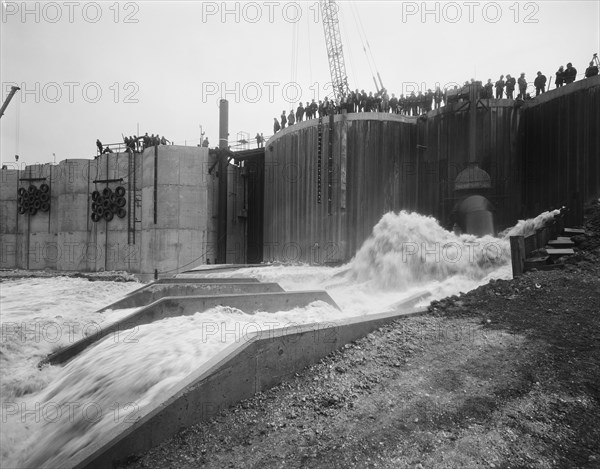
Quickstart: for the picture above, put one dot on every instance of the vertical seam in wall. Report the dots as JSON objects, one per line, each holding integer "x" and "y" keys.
{"x": 49, "y": 196}
{"x": 155, "y": 182}
{"x": 106, "y": 225}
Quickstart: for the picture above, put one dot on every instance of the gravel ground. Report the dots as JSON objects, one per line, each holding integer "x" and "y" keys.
{"x": 504, "y": 376}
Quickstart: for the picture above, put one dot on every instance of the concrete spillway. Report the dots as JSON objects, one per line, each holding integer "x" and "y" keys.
{"x": 257, "y": 362}
{"x": 250, "y": 297}
{"x": 254, "y": 362}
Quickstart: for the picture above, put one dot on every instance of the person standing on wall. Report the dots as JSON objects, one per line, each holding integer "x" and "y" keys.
{"x": 283, "y": 119}
{"x": 560, "y": 76}
{"x": 522, "y": 86}
{"x": 500, "y": 87}
{"x": 540, "y": 83}
{"x": 510, "y": 86}
{"x": 570, "y": 74}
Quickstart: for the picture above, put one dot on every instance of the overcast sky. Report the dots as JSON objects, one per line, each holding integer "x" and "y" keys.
{"x": 93, "y": 70}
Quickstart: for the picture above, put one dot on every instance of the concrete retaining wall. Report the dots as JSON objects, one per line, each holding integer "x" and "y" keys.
{"x": 188, "y": 305}
{"x": 65, "y": 238}
{"x": 160, "y": 290}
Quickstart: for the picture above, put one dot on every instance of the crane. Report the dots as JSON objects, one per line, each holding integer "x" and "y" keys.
{"x": 13, "y": 90}
{"x": 333, "y": 42}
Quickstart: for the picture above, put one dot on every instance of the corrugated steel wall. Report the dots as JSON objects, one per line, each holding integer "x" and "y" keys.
{"x": 537, "y": 157}
{"x": 560, "y": 142}
{"x": 378, "y": 176}
{"x": 445, "y": 133}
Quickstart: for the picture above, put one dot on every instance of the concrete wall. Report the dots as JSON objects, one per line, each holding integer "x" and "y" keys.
{"x": 178, "y": 228}
{"x": 66, "y": 238}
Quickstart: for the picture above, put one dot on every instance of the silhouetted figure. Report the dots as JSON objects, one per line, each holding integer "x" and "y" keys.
{"x": 99, "y": 145}
{"x": 560, "y": 76}
{"x": 488, "y": 90}
{"x": 591, "y": 71}
{"x": 205, "y": 142}
{"x": 437, "y": 97}
{"x": 283, "y": 119}
{"x": 570, "y": 74}
{"x": 291, "y": 119}
{"x": 500, "y": 87}
{"x": 107, "y": 150}
{"x": 540, "y": 83}
{"x": 308, "y": 111}
{"x": 510, "y": 86}
{"x": 413, "y": 103}
{"x": 385, "y": 102}
{"x": 314, "y": 108}
{"x": 276, "y": 126}
{"x": 299, "y": 113}
{"x": 394, "y": 104}
{"x": 522, "y": 86}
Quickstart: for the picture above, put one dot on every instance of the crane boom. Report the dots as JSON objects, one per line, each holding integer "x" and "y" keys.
{"x": 333, "y": 42}
{"x": 13, "y": 90}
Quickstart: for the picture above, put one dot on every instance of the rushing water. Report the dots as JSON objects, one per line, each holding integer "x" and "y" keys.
{"x": 52, "y": 414}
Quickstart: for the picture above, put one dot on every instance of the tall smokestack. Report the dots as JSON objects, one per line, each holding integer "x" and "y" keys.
{"x": 223, "y": 163}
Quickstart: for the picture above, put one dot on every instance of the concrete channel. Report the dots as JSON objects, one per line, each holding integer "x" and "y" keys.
{"x": 257, "y": 362}
{"x": 172, "y": 306}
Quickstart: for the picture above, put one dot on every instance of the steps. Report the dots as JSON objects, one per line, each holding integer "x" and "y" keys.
{"x": 554, "y": 249}
{"x": 184, "y": 296}
{"x": 543, "y": 248}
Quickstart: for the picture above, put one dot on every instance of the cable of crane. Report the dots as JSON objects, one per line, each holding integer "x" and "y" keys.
{"x": 309, "y": 52}
{"x": 367, "y": 46}
{"x": 294, "y": 55}
{"x": 362, "y": 40}
{"x": 349, "y": 52}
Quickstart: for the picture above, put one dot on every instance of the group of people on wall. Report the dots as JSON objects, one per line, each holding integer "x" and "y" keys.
{"x": 423, "y": 102}
{"x": 135, "y": 143}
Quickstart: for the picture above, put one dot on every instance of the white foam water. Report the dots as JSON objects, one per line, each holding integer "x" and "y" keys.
{"x": 51, "y": 415}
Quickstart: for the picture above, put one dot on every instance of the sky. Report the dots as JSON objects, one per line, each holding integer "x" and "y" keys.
{"x": 100, "y": 70}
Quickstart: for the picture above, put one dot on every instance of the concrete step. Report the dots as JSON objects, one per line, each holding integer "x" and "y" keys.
{"x": 154, "y": 292}
{"x": 559, "y": 252}
{"x": 172, "y": 306}
{"x": 559, "y": 244}
{"x": 574, "y": 231}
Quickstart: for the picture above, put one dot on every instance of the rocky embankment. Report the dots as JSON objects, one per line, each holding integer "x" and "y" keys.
{"x": 503, "y": 376}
